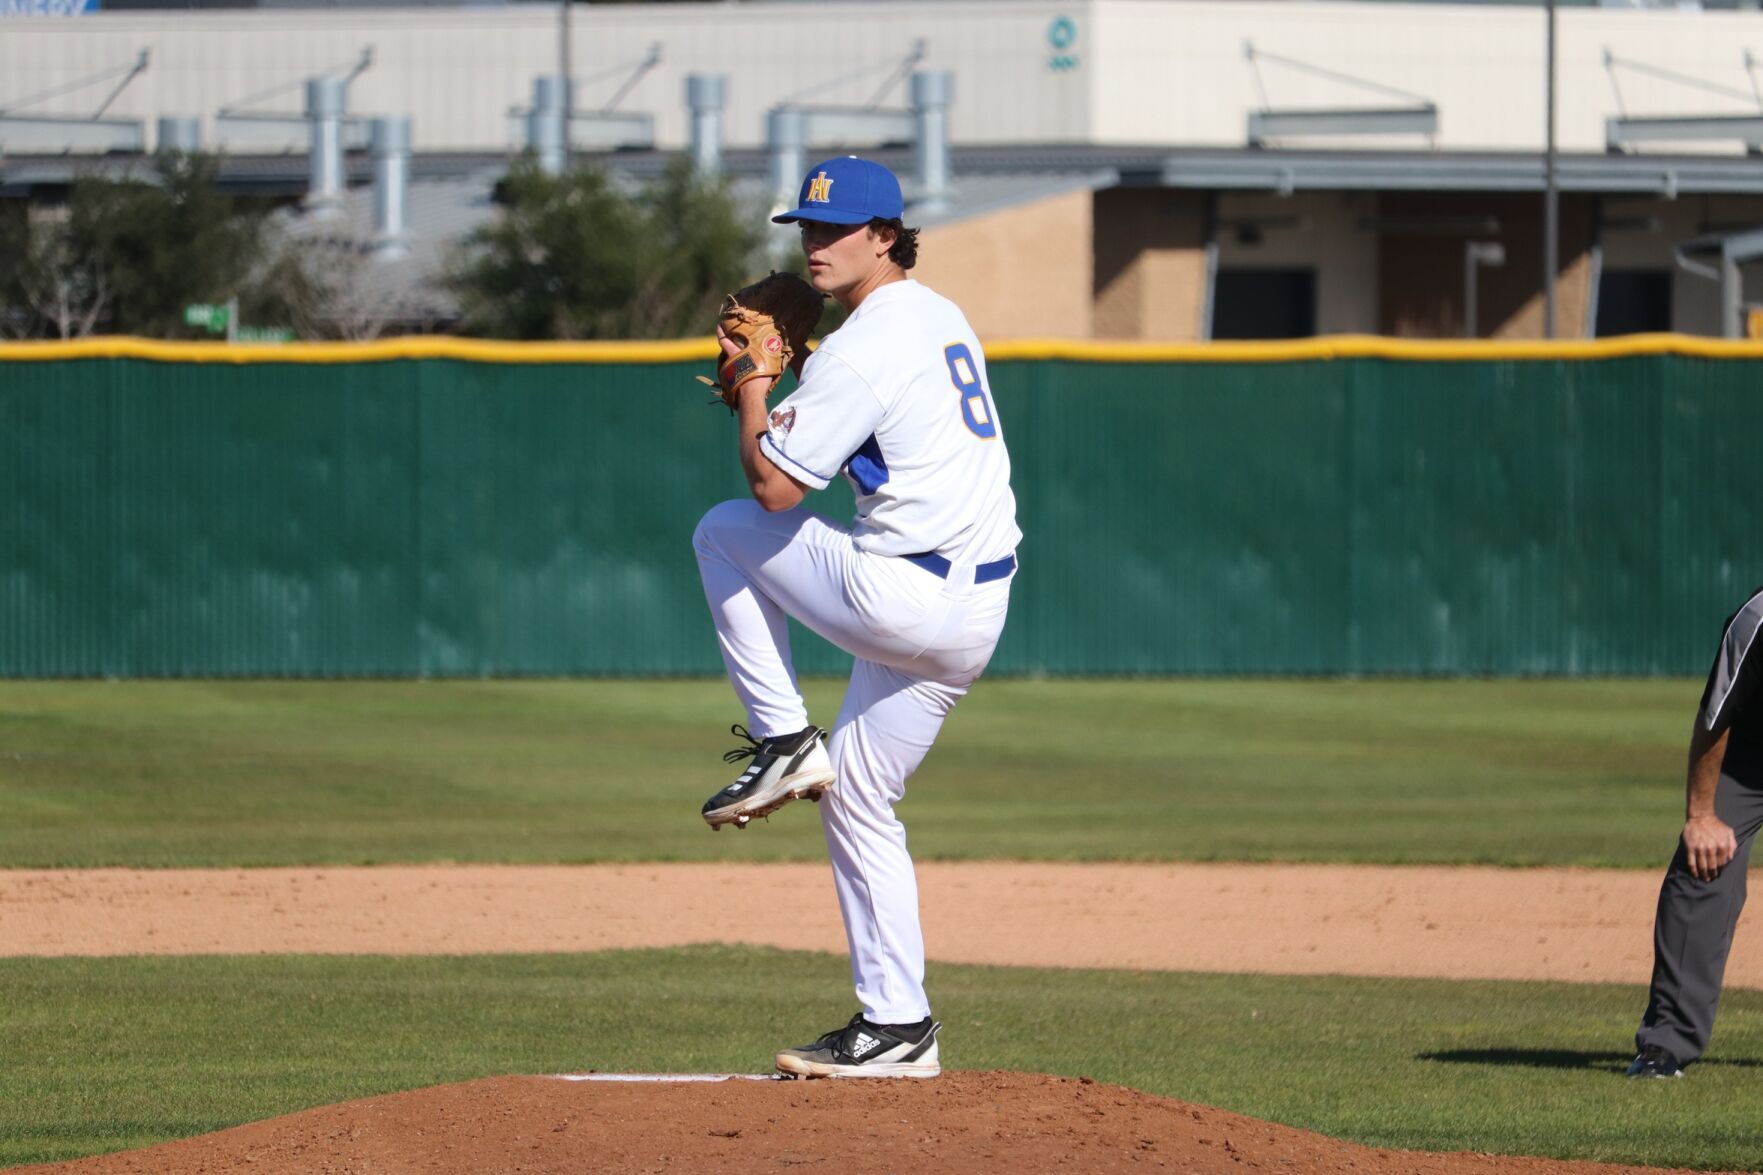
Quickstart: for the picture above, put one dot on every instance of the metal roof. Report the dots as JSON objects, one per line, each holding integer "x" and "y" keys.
{"x": 1287, "y": 171}
{"x": 1222, "y": 168}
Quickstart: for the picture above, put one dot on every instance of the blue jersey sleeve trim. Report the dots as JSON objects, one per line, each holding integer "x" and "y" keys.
{"x": 795, "y": 469}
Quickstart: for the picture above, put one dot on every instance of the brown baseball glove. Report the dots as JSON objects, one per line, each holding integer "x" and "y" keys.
{"x": 769, "y": 321}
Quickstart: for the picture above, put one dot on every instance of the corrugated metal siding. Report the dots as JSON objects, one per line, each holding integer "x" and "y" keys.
{"x": 1177, "y": 520}
{"x": 262, "y": 519}
{"x": 1378, "y": 516}
{"x": 433, "y": 516}
{"x": 57, "y": 509}
{"x": 1710, "y": 495}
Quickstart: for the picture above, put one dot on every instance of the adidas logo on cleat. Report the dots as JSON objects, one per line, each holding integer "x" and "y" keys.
{"x": 782, "y": 769}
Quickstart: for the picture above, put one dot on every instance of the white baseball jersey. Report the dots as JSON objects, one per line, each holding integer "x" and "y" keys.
{"x": 897, "y": 400}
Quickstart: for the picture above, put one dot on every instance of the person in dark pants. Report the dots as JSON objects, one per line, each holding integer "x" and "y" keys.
{"x": 1704, "y": 888}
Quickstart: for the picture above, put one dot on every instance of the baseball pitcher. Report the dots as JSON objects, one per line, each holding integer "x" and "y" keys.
{"x": 915, "y": 589}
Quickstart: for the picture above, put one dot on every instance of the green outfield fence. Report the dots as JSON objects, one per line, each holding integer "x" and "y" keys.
{"x": 427, "y": 507}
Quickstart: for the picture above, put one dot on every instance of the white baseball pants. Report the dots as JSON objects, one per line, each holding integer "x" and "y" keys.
{"x": 919, "y": 641}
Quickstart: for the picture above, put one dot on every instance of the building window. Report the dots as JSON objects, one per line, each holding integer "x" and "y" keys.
{"x": 1634, "y": 301}
{"x": 1264, "y": 304}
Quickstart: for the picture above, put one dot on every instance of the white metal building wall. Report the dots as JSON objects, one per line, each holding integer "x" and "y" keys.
{"x": 1108, "y": 71}
{"x": 1178, "y": 72}
{"x": 458, "y": 72}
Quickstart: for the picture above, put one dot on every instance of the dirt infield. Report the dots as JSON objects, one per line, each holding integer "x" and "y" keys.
{"x": 969, "y": 1122}
{"x": 1582, "y": 925}
{"x": 1578, "y": 925}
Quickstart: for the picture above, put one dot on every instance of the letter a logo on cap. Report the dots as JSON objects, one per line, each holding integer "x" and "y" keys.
{"x": 845, "y": 190}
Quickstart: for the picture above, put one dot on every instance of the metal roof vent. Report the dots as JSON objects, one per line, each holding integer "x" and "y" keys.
{"x": 325, "y": 101}
{"x": 704, "y": 97}
{"x": 391, "y": 184}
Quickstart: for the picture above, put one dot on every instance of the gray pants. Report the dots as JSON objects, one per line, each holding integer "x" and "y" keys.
{"x": 1692, "y": 934}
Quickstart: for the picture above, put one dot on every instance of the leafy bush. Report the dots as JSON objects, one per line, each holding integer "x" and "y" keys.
{"x": 129, "y": 254}
{"x": 577, "y": 256}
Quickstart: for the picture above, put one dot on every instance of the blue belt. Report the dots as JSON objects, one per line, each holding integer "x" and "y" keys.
{"x": 984, "y": 573}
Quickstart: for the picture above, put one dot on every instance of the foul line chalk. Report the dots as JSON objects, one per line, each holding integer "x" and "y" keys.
{"x": 667, "y": 1077}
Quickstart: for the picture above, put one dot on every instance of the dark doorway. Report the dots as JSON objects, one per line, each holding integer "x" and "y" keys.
{"x": 1264, "y": 304}
{"x": 1634, "y": 301}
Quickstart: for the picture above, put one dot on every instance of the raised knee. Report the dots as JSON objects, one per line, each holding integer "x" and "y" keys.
{"x": 734, "y": 512}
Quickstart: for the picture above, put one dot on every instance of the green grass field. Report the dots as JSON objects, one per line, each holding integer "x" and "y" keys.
{"x": 113, "y": 1053}
{"x": 262, "y": 773}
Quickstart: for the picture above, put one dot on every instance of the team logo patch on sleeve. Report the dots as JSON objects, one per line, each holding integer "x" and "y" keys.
{"x": 783, "y": 421}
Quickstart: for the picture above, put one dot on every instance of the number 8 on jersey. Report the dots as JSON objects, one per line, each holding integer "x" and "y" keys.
{"x": 976, "y": 409}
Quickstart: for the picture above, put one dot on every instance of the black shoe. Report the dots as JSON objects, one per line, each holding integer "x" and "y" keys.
{"x": 1655, "y": 1062}
{"x": 785, "y": 768}
{"x": 862, "y": 1049}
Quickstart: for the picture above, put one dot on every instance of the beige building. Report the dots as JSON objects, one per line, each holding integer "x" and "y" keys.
{"x": 1178, "y": 265}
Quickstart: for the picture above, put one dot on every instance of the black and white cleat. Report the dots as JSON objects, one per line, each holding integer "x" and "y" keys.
{"x": 782, "y": 769}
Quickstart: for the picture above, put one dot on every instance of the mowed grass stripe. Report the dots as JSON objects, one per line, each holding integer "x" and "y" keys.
{"x": 157, "y": 774}
{"x": 111, "y": 1054}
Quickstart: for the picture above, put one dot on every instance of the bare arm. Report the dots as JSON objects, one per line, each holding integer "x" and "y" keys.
{"x": 1708, "y": 840}
{"x": 772, "y": 487}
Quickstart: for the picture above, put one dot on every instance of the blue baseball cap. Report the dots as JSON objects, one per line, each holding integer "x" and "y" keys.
{"x": 847, "y": 190}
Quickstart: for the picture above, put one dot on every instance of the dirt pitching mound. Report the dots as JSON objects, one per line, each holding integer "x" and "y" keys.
{"x": 968, "y": 1122}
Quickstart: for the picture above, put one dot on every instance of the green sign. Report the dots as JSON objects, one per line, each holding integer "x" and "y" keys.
{"x": 210, "y": 315}
{"x": 215, "y": 317}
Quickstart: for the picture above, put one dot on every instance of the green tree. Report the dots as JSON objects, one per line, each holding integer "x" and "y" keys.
{"x": 169, "y": 241}
{"x": 15, "y": 239}
{"x": 577, "y": 257}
